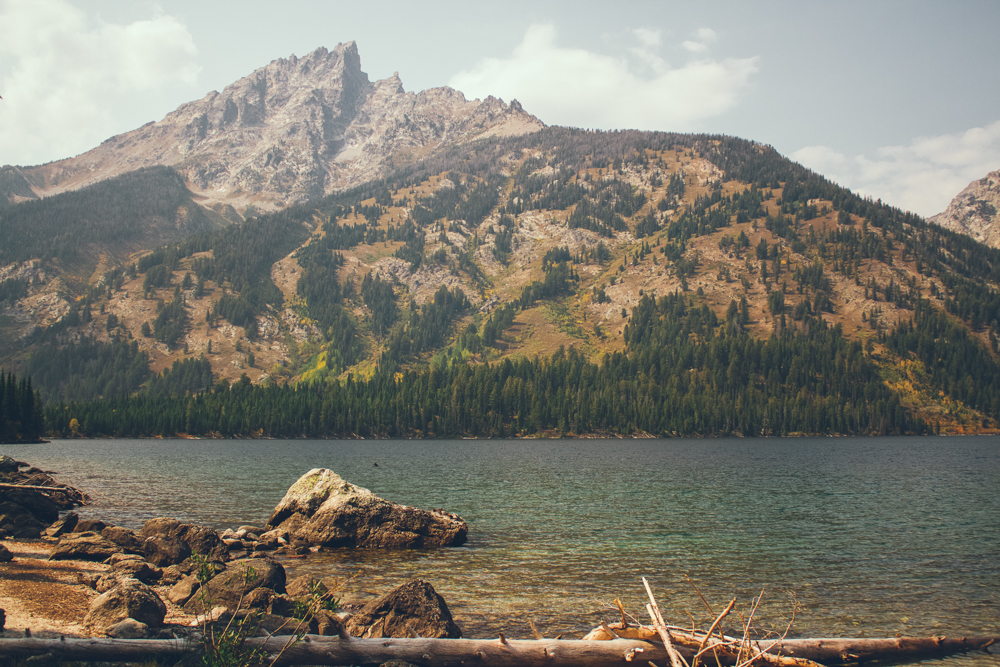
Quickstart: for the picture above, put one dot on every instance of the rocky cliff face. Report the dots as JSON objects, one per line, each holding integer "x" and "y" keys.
{"x": 975, "y": 211}
{"x": 296, "y": 129}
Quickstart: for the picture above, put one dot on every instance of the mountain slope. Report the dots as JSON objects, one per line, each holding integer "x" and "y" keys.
{"x": 703, "y": 272}
{"x": 294, "y": 130}
{"x": 975, "y": 211}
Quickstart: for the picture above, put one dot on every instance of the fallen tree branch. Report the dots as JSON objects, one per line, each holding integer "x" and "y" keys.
{"x": 60, "y": 489}
{"x": 654, "y": 611}
{"x": 316, "y": 650}
{"x": 313, "y": 650}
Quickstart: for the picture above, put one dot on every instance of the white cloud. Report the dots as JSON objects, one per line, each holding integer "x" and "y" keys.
{"x": 705, "y": 34}
{"x": 703, "y": 37}
{"x": 64, "y": 75}
{"x": 695, "y": 47}
{"x": 581, "y": 88}
{"x": 647, "y": 36}
{"x": 922, "y": 177}
{"x": 646, "y": 50}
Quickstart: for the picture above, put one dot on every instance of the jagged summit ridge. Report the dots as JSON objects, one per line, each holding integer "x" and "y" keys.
{"x": 293, "y": 130}
{"x": 975, "y": 211}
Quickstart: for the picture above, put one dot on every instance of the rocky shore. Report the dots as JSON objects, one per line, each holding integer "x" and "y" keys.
{"x": 64, "y": 575}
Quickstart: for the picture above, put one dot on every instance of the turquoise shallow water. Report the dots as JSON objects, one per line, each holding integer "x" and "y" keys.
{"x": 867, "y": 536}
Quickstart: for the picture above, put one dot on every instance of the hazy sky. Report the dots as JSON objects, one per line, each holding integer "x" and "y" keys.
{"x": 899, "y": 100}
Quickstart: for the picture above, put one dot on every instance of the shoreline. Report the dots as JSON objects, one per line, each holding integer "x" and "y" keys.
{"x": 48, "y": 598}
{"x": 986, "y": 432}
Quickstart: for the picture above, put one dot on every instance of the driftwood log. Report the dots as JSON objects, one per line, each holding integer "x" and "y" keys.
{"x": 315, "y": 650}
{"x": 831, "y": 652}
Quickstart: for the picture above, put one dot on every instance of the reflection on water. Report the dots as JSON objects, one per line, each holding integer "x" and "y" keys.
{"x": 869, "y": 536}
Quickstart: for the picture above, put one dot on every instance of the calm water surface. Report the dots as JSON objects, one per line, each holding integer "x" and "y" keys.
{"x": 867, "y": 536}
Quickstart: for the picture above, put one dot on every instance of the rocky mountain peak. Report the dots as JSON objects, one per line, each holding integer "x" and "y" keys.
{"x": 975, "y": 211}
{"x": 295, "y": 129}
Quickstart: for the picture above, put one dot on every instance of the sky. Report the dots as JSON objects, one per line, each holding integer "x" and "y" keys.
{"x": 898, "y": 100}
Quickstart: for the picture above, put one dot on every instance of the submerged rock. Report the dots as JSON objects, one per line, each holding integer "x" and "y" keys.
{"x": 322, "y": 509}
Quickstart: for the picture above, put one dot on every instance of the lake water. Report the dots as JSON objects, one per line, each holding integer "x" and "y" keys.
{"x": 865, "y": 536}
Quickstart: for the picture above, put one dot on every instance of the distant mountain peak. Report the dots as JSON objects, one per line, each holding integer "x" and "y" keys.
{"x": 296, "y": 129}
{"x": 975, "y": 211}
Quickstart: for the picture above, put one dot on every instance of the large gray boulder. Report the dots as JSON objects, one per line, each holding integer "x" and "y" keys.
{"x": 129, "y": 599}
{"x": 322, "y": 509}
{"x": 414, "y": 607}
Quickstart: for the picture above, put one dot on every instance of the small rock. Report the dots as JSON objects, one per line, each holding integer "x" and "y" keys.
{"x": 124, "y": 538}
{"x": 87, "y": 579}
{"x": 282, "y": 605}
{"x": 63, "y": 525}
{"x": 89, "y": 526}
{"x": 216, "y": 614}
{"x": 128, "y": 629}
{"x": 5, "y": 555}
{"x": 137, "y": 569}
{"x": 182, "y": 591}
{"x": 257, "y": 530}
{"x": 328, "y": 623}
{"x": 108, "y": 581}
{"x": 258, "y": 598}
{"x": 122, "y": 557}
{"x": 162, "y": 551}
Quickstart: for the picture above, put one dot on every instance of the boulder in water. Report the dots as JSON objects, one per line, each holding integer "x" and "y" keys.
{"x": 322, "y": 509}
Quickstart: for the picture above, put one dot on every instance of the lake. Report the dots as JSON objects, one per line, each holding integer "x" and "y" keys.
{"x": 859, "y": 536}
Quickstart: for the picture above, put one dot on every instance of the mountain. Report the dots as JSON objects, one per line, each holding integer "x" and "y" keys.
{"x": 975, "y": 211}
{"x": 554, "y": 281}
{"x": 297, "y": 129}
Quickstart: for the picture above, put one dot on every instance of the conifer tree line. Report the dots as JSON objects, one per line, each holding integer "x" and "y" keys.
{"x": 684, "y": 372}
{"x": 21, "y": 416}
